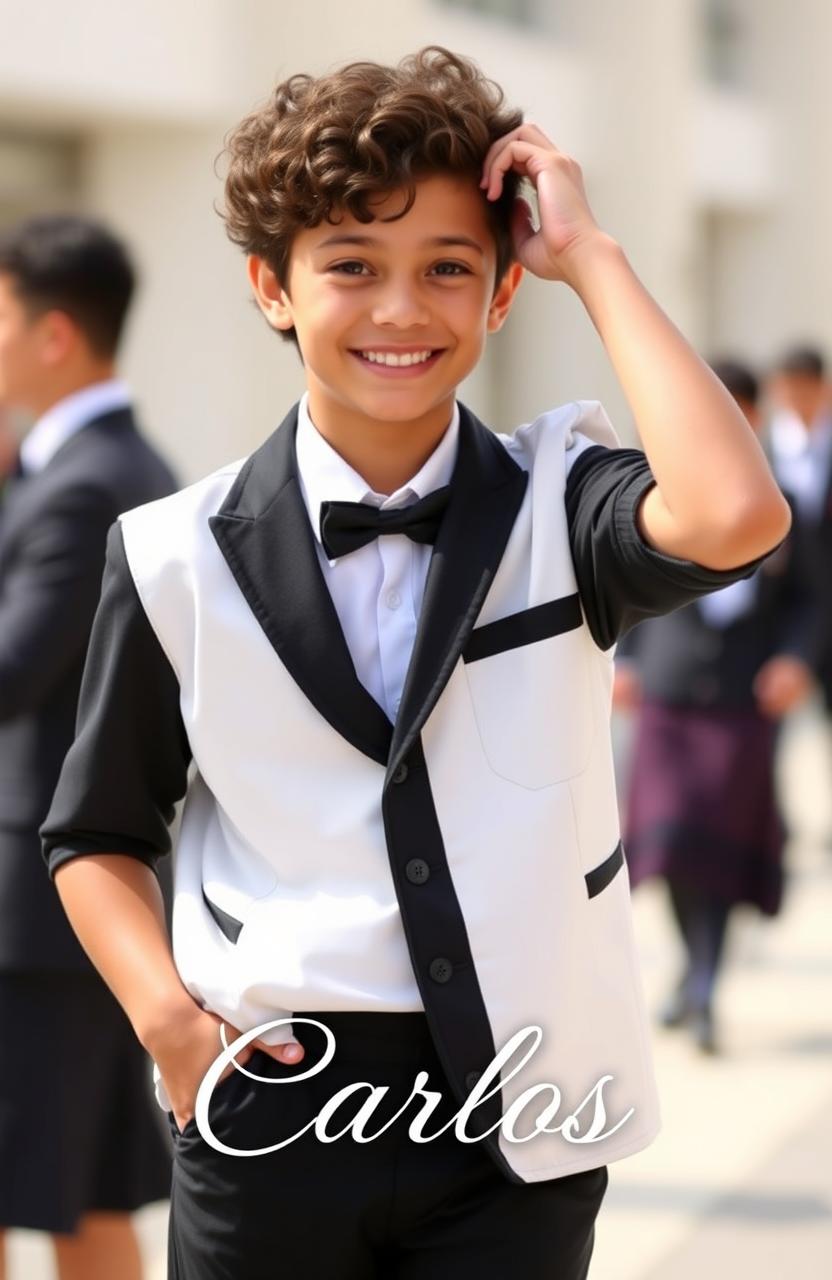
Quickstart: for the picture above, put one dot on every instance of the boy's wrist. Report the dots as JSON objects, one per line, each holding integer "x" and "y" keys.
{"x": 153, "y": 1023}
{"x": 590, "y": 253}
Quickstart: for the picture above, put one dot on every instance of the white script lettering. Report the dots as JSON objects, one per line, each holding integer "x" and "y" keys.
{"x": 430, "y": 1099}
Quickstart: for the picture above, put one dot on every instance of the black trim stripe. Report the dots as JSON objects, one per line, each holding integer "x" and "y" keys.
{"x": 600, "y": 876}
{"x": 439, "y": 947}
{"x": 226, "y": 923}
{"x": 538, "y": 623}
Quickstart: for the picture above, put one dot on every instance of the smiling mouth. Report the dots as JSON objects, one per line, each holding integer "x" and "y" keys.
{"x": 413, "y": 367}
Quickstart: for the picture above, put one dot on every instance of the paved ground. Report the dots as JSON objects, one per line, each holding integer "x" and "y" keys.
{"x": 740, "y": 1180}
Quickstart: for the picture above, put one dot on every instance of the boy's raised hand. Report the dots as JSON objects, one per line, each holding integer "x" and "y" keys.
{"x": 566, "y": 220}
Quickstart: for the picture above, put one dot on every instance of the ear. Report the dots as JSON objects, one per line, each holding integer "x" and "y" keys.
{"x": 272, "y": 298}
{"x": 504, "y": 297}
{"x": 59, "y": 336}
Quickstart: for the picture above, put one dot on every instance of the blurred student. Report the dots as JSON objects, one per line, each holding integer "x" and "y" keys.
{"x": 800, "y": 448}
{"x": 710, "y": 684}
{"x": 80, "y": 1142}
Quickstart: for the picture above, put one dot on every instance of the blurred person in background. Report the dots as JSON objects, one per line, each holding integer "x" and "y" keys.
{"x": 709, "y": 684}
{"x": 81, "y": 1146}
{"x": 799, "y": 442}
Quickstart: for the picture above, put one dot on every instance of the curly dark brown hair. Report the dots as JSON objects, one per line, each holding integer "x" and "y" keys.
{"x": 341, "y": 140}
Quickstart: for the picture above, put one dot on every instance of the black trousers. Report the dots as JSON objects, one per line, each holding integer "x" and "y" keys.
{"x": 389, "y": 1209}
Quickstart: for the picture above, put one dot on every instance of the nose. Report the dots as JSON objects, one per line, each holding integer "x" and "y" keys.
{"x": 400, "y": 304}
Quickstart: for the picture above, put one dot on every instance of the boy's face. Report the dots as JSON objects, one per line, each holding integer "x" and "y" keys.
{"x": 398, "y": 290}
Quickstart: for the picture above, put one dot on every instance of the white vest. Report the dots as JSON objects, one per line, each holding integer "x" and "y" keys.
{"x": 326, "y": 857}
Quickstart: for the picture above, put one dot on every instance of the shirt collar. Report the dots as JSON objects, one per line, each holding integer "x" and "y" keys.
{"x": 791, "y": 438}
{"x": 68, "y": 416}
{"x": 326, "y": 477}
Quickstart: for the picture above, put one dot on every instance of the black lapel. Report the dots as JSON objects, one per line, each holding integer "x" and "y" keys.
{"x": 264, "y": 533}
{"x": 487, "y": 489}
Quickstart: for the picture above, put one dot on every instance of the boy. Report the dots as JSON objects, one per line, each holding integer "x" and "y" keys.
{"x": 403, "y": 824}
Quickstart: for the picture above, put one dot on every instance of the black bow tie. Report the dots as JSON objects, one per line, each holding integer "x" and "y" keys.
{"x": 346, "y": 526}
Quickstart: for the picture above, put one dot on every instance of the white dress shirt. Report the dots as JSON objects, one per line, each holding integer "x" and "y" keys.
{"x": 377, "y": 590}
{"x": 802, "y": 460}
{"x": 66, "y": 417}
{"x": 723, "y": 607}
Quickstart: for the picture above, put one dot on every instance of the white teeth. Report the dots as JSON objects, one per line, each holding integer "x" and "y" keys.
{"x": 388, "y": 357}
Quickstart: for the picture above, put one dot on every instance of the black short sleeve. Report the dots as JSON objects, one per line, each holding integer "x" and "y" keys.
{"x": 621, "y": 578}
{"x": 128, "y": 765}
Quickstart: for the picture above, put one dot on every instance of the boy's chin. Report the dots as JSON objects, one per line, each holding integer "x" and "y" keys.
{"x": 396, "y": 402}
{"x": 404, "y": 409}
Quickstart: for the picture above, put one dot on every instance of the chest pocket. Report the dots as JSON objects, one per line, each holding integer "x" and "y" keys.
{"x": 529, "y": 681}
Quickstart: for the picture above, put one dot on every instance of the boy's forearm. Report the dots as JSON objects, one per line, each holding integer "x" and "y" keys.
{"x": 115, "y": 906}
{"x": 710, "y": 470}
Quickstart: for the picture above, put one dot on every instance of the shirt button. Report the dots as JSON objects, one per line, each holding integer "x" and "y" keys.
{"x": 400, "y": 772}
{"x": 441, "y": 969}
{"x": 417, "y": 871}
{"x": 393, "y": 599}
{"x": 471, "y": 1079}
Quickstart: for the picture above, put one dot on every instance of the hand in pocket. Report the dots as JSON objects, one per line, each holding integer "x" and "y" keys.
{"x": 186, "y": 1045}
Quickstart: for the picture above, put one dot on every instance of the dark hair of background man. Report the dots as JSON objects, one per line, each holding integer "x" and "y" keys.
{"x": 806, "y": 359}
{"x": 737, "y": 377}
{"x": 71, "y": 264}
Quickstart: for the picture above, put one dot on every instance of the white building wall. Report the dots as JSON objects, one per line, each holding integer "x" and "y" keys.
{"x": 151, "y": 59}
{"x": 775, "y": 279}
{"x": 211, "y": 377}
{"x": 145, "y": 93}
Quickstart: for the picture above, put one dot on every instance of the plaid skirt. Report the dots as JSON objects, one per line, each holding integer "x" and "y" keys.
{"x": 700, "y": 805}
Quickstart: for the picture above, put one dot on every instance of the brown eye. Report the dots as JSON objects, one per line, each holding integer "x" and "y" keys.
{"x": 339, "y": 266}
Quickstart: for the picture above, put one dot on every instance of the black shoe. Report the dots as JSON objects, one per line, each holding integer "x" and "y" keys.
{"x": 702, "y": 1030}
{"x": 676, "y": 1008}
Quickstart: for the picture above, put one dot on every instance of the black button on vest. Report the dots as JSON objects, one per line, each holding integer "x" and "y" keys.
{"x": 400, "y": 772}
{"x": 417, "y": 871}
{"x": 441, "y": 970}
{"x": 471, "y": 1079}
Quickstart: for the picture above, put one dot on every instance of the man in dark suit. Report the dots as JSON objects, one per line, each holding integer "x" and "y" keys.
{"x": 80, "y": 1146}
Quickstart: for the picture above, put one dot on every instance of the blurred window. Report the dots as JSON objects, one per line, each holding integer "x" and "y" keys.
{"x": 520, "y": 13}
{"x": 38, "y": 173}
{"x": 723, "y": 39}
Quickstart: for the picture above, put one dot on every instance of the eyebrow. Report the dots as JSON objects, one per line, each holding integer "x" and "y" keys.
{"x": 435, "y": 242}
